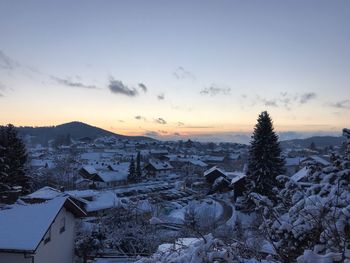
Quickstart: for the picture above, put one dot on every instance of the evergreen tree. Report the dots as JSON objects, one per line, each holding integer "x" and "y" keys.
{"x": 265, "y": 161}
{"x": 138, "y": 166}
{"x": 12, "y": 160}
{"x": 132, "y": 172}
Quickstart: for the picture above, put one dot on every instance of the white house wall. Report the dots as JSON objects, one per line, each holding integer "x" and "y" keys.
{"x": 61, "y": 246}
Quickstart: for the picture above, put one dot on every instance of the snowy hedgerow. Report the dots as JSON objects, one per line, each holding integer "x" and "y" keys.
{"x": 314, "y": 216}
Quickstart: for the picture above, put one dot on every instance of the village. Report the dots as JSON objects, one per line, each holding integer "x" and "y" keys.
{"x": 113, "y": 200}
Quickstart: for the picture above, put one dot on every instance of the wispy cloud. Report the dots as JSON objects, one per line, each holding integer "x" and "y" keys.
{"x": 143, "y": 87}
{"x": 7, "y": 62}
{"x": 181, "y": 73}
{"x": 70, "y": 83}
{"x": 118, "y": 87}
{"x": 161, "y": 96}
{"x": 343, "y": 104}
{"x": 179, "y": 123}
{"x": 214, "y": 90}
{"x": 160, "y": 121}
{"x": 306, "y": 97}
{"x": 284, "y": 100}
{"x": 139, "y": 117}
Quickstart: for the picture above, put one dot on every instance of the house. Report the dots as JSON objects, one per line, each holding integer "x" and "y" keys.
{"x": 301, "y": 174}
{"x": 314, "y": 159}
{"x": 213, "y": 173}
{"x": 158, "y": 168}
{"x": 222, "y": 181}
{"x": 107, "y": 175}
{"x": 39, "y": 233}
{"x": 292, "y": 164}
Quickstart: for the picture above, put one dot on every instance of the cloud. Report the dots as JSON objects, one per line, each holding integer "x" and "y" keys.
{"x": 343, "y": 104}
{"x": 179, "y": 123}
{"x": 161, "y": 96}
{"x": 139, "y": 117}
{"x": 304, "y": 98}
{"x": 284, "y": 100}
{"x": 70, "y": 83}
{"x": 180, "y": 73}
{"x": 162, "y": 132}
{"x": 177, "y": 134}
{"x": 214, "y": 90}
{"x": 7, "y": 63}
{"x": 272, "y": 103}
{"x": 118, "y": 87}
{"x": 160, "y": 121}
{"x": 143, "y": 87}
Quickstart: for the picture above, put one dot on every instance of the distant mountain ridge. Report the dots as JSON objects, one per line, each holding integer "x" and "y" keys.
{"x": 319, "y": 141}
{"x": 75, "y": 129}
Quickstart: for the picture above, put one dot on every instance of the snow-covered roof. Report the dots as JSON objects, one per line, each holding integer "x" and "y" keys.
{"x": 198, "y": 162}
{"x": 160, "y": 165}
{"x": 90, "y": 169}
{"x": 213, "y": 158}
{"x": 22, "y": 227}
{"x": 82, "y": 193}
{"x": 209, "y": 171}
{"x": 235, "y": 176}
{"x": 320, "y": 160}
{"x": 300, "y": 174}
{"x": 317, "y": 159}
{"x": 45, "y": 192}
{"x": 90, "y": 156}
{"x": 104, "y": 200}
{"x": 291, "y": 161}
{"x": 42, "y": 163}
{"x": 112, "y": 176}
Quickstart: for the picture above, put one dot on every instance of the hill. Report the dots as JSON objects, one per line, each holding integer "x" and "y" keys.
{"x": 319, "y": 141}
{"x": 75, "y": 129}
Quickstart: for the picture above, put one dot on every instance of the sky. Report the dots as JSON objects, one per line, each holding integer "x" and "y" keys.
{"x": 177, "y": 69}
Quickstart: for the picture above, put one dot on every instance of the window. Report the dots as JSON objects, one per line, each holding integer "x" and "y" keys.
{"x": 63, "y": 225}
{"x": 48, "y": 236}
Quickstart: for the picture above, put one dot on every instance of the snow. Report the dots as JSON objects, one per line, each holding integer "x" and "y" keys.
{"x": 103, "y": 200}
{"x": 112, "y": 176}
{"x": 292, "y": 161}
{"x": 209, "y": 171}
{"x": 303, "y": 172}
{"x": 42, "y": 163}
{"x": 90, "y": 169}
{"x": 160, "y": 165}
{"x": 82, "y": 193}
{"x": 310, "y": 257}
{"x": 22, "y": 227}
{"x": 44, "y": 193}
{"x": 236, "y": 176}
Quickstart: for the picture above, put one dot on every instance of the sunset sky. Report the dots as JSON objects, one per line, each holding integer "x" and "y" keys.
{"x": 177, "y": 69}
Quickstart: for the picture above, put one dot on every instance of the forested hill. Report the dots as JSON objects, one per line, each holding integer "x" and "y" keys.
{"x": 75, "y": 129}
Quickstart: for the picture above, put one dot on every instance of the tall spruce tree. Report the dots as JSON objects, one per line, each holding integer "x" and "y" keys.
{"x": 132, "y": 172}
{"x": 138, "y": 166}
{"x": 12, "y": 160}
{"x": 265, "y": 160}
